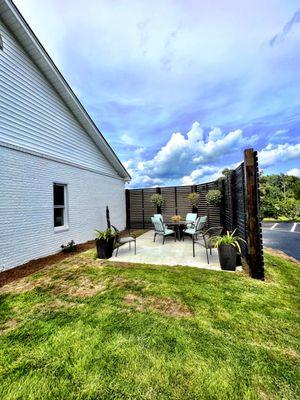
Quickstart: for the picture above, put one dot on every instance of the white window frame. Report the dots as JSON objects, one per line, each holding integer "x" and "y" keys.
{"x": 65, "y": 208}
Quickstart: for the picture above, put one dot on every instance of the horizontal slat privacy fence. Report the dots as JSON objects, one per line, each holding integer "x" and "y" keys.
{"x": 140, "y": 209}
{"x": 239, "y": 208}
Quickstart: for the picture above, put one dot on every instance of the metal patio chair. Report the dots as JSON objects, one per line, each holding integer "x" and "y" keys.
{"x": 196, "y": 230}
{"x": 208, "y": 237}
{"x": 120, "y": 240}
{"x": 161, "y": 229}
{"x": 191, "y": 217}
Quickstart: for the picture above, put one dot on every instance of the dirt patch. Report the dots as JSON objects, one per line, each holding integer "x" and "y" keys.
{"x": 81, "y": 287}
{"x": 36, "y": 265}
{"x": 70, "y": 283}
{"x": 279, "y": 253}
{"x": 8, "y": 326}
{"x": 58, "y": 303}
{"x": 164, "y": 305}
{"x": 121, "y": 282}
{"x": 25, "y": 285}
{"x": 263, "y": 395}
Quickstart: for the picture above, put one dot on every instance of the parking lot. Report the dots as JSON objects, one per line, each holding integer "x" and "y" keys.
{"x": 283, "y": 236}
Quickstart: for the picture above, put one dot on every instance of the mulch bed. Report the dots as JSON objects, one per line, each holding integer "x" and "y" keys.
{"x": 35, "y": 265}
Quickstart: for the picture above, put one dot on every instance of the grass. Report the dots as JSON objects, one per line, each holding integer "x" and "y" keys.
{"x": 83, "y": 329}
{"x": 281, "y": 219}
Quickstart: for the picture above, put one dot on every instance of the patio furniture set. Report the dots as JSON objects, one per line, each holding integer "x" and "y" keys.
{"x": 192, "y": 225}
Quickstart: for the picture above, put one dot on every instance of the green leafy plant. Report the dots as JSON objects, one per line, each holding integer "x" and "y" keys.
{"x": 194, "y": 198}
{"x": 228, "y": 239}
{"x": 157, "y": 199}
{"x": 105, "y": 235}
{"x": 214, "y": 197}
{"x": 71, "y": 247}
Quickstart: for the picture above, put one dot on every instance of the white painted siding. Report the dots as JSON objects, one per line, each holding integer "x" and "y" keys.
{"x": 26, "y": 205}
{"x": 33, "y": 116}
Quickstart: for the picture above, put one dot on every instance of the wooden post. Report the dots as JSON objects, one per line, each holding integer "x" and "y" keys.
{"x": 127, "y": 200}
{"x": 255, "y": 247}
{"x": 194, "y": 190}
{"x": 143, "y": 212}
{"x": 158, "y": 208}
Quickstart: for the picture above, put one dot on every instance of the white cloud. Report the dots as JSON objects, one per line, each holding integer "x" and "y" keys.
{"x": 183, "y": 154}
{"x": 294, "y": 172}
{"x": 127, "y": 139}
{"x": 277, "y": 153}
{"x": 195, "y": 176}
{"x": 280, "y": 132}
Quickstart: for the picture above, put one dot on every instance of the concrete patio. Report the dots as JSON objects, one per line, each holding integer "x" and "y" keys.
{"x": 171, "y": 253}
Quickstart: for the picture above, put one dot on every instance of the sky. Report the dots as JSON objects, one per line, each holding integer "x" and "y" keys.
{"x": 180, "y": 88}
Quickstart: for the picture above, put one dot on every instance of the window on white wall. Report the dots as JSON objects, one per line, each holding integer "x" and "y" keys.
{"x": 60, "y": 206}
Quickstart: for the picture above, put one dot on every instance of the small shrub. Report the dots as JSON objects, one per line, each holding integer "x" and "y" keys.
{"x": 71, "y": 247}
{"x": 290, "y": 208}
{"x": 214, "y": 197}
{"x": 194, "y": 198}
{"x": 157, "y": 199}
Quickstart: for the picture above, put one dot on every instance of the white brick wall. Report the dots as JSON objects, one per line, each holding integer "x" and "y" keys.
{"x": 26, "y": 205}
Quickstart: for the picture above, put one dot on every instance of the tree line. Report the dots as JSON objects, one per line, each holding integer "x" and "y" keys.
{"x": 279, "y": 196}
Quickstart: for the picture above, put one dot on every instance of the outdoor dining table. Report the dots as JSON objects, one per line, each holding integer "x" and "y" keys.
{"x": 178, "y": 227}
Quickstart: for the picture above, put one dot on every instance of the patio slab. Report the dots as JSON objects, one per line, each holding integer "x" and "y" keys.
{"x": 171, "y": 253}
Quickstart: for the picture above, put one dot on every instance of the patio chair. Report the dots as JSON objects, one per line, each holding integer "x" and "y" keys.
{"x": 120, "y": 240}
{"x": 196, "y": 230}
{"x": 191, "y": 217}
{"x": 161, "y": 229}
{"x": 161, "y": 217}
{"x": 208, "y": 236}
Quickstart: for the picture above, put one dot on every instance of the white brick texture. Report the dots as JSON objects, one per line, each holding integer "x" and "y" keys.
{"x": 26, "y": 205}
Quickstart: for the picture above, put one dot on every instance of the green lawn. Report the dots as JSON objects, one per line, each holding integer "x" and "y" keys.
{"x": 82, "y": 330}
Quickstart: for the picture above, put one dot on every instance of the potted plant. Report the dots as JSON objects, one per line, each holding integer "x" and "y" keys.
{"x": 105, "y": 239}
{"x": 158, "y": 200}
{"x": 105, "y": 242}
{"x": 228, "y": 248}
{"x": 194, "y": 200}
{"x": 213, "y": 197}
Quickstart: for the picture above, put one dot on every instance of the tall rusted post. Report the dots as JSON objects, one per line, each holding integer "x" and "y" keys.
{"x": 255, "y": 246}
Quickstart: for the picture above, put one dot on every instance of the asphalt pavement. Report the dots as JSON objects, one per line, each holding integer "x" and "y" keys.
{"x": 283, "y": 236}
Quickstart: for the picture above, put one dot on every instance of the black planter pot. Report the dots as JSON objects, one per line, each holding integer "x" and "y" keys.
{"x": 227, "y": 256}
{"x": 105, "y": 248}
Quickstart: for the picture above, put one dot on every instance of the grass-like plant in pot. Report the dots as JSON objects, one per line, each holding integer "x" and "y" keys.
{"x": 105, "y": 242}
{"x": 105, "y": 239}
{"x": 228, "y": 247}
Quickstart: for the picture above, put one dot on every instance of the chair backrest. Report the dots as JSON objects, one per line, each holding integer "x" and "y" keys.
{"x": 158, "y": 225}
{"x": 191, "y": 217}
{"x": 200, "y": 223}
{"x": 210, "y": 234}
{"x": 159, "y": 216}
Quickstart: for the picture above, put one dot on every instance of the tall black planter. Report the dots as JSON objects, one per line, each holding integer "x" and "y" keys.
{"x": 105, "y": 248}
{"x": 227, "y": 256}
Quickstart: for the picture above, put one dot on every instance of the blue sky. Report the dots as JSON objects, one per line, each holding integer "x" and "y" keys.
{"x": 179, "y": 88}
